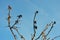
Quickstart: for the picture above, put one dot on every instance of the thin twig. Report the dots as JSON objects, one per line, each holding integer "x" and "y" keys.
{"x": 48, "y": 38}
{"x": 46, "y": 29}
{"x": 43, "y": 36}
{"x": 9, "y": 8}
{"x": 19, "y": 33}
{"x": 13, "y": 33}
{"x": 34, "y": 26}
{"x": 17, "y": 21}
{"x": 43, "y": 31}
{"x": 51, "y": 28}
{"x": 55, "y": 37}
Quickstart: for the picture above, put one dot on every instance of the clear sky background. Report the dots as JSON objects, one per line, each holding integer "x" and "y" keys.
{"x": 49, "y": 10}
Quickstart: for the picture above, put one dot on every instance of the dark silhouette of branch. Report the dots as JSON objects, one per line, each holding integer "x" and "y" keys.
{"x": 17, "y": 21}
{"x": 51, "y": 28}
{"x": 9, "y": 8}
{"x": 52, "y": 23}
{"x": 43, "y": 31}
{"x": 43, "y": 34}
{"x": 13, "y": 26}
{"x": 21, "y": 36}
{"x": 55, "y": 37}
{"x": 13, "y": 33}
{"x": 48, "y": 38}
{"x": 34, "y": 25}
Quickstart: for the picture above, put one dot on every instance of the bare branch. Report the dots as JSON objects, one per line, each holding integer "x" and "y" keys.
{"x": 13, "y": 26}
{"x": 48, "y": 38}
{"x": 51, "y": 28}
{"x": 34, "y": 25}
{"x": 9, "y": 8}
{"x": 52, "y": 23}
{"x": 43, "y": 36}
{"x": 17, "y": 21}
{"x": 18, "y": 33}
{"x": 55, "y": 37}
{"x": 13, "y": 33}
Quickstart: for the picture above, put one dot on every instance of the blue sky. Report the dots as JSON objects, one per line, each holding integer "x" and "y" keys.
{"x": 49, "y": 10}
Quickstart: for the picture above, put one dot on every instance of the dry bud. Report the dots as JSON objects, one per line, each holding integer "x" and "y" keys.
{"x": 34, "y": 22}
{"x": 19, "y": 16}
{"x": 36, "y": 11}
{"x": 9, "y": 7}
